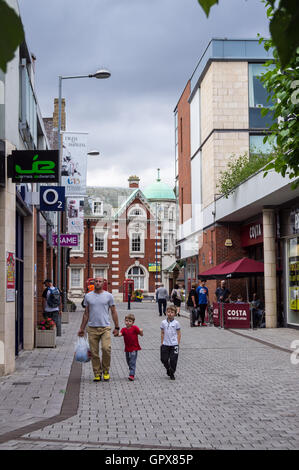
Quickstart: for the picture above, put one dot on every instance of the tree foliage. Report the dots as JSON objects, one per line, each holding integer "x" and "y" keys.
{"x": 238, "y": 169}
{"x": 11, "y": 34}
{"x": 283, "y": 26}
{"x": 283, "y": 85}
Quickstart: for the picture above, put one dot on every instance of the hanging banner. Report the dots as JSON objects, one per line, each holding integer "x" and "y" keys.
{"x": 75, "y": 215}
{"x": 10, "y": 277}
{"x": 74, "y": 163}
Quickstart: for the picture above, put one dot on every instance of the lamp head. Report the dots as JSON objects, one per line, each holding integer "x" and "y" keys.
{"x": 102, "y": 73}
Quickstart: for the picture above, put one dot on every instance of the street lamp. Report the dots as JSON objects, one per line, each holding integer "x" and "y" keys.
{"x": 100, "y": 74}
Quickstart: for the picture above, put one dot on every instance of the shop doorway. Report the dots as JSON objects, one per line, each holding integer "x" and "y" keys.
{"x": 19, "y": 273}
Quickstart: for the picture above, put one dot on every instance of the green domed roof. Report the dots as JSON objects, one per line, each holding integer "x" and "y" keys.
{"x": 159, "y": 190}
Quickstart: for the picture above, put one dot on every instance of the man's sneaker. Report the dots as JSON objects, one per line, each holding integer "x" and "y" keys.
{"x": 204, "y": 324}
{"x": 97, "y": 378}
{"x": 172, "y": 377}
{"x": 106, "y": 375}
{"x": 131, "y": 377}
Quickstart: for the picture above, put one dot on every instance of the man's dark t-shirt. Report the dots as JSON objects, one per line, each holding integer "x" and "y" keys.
{"x": 192, "y": 293}
{"x": 224, "y": 293}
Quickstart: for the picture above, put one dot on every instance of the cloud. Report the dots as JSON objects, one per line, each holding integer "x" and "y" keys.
{"x": 151, "y": 48}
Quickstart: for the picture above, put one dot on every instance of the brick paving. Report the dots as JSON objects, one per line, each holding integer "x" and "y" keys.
{"x": 233, "y": 390}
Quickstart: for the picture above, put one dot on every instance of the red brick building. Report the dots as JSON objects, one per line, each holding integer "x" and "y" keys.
{"x": 124, "y": 237}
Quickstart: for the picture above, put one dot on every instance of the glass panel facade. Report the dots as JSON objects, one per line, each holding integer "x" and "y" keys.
{"x": 257, "y": 146}
{"x": 258, "y": 98}
{"x": 293, "y": 281}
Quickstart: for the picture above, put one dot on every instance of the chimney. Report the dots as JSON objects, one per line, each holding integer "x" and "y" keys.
{"x": 134, "y": 182}
{"x": 55, "y": 114}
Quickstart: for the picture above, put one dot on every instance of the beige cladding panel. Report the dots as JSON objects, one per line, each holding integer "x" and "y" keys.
{"x": 224, "y": 97}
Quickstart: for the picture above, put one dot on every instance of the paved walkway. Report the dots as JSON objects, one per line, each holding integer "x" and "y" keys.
{"x": 233, "y": 390}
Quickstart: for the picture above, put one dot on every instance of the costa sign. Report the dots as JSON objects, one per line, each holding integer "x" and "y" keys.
{"x": 252, "y": 234}
{"x": 237, "y": 315}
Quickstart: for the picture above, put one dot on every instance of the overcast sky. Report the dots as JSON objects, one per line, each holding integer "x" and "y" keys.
{"x": 151, "y": 48}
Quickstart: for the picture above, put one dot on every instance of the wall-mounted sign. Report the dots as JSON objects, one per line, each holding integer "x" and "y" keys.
{"x": 252, "y": 234}
{"x": 10, "y": 277}
{"x": 52, "y": 198}
{"x": 153, "y": 267}
{"x": 35, "y": 166}
{"x": 66, "y": 239}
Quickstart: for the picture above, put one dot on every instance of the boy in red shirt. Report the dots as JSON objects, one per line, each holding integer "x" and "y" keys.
{"x": 130, "y": 334}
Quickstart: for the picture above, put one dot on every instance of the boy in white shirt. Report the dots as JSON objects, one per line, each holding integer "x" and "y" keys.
{"x": 170, "y": 340}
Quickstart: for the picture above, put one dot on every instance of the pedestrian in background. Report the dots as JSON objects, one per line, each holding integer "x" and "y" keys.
{"x": 222, "y": 294}
{"x": 52, "y": 305}
{"x": 96, "y": 316}
{"x": 130, "y": 334}
{"x": 161, "y": 298}
{"x": 176, "y": 298}
{"x": 170, "y": 341}
{"x": 192, "y": 305}
{"x": 203, "y": 300}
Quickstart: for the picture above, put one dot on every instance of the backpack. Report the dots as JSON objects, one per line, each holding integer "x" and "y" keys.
{"x": 174, "y": 296}
{"x": 54, "y": 298}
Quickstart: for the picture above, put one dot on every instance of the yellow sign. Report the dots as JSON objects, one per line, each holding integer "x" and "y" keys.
{"x": 152, "y": 267}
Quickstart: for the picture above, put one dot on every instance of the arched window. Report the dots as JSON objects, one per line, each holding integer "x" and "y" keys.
{"x": 137, "y": 274}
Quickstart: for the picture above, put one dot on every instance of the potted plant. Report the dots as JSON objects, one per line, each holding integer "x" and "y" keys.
{"x": 137, "y": 295}
{"x": 45, "y": 334}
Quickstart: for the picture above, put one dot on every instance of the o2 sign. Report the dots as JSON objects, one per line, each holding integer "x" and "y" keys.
{"x": 52, "y": 198}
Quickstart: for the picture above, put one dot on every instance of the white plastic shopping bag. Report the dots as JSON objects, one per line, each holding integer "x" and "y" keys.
{"x": 82, "y": 350}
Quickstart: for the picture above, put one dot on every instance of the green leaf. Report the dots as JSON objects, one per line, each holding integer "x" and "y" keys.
{"x": 11, "y": 34}
{"x": 207, "y": 4}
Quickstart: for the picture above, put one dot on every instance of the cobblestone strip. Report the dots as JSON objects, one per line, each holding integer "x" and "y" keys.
{"x": 69, "y": 407}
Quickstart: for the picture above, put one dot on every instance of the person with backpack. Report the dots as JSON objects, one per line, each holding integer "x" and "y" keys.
{"x": 52, "y": 304}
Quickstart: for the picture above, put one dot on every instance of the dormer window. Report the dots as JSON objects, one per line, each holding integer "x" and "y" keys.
{"x": 97, "y": 207}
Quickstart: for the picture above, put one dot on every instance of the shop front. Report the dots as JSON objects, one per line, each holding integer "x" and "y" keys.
{"x": 252, "y": 241}
{"x": 290, "y": 235}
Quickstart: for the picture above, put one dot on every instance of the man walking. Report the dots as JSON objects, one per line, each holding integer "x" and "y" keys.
{"x": 96, "y": 315}
{"x": 161, "y": 297}
{"x": 203, "y": 299}
{"x": 52, "y": 305}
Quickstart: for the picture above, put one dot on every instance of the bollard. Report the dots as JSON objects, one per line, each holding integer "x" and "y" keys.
{"x": 129, "y": 301}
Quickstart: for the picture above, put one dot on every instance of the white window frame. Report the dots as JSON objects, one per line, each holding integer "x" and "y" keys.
{"x": 137, "y": 208}
{"x": 80, "y": 247}
{"x": 104, "y": 275}
{"x": 80, "y": 286}
{"x": 97, "y": 201}
{"x": 105, "y": 233}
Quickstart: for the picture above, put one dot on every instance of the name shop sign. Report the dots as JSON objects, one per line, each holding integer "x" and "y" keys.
{"x": 252, "y": 234}
{"x": 66, "y": 240}
{"x": 33, "y": 166}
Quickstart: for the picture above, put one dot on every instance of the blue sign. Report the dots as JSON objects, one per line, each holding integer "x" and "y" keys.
{"x": 52, "y": 198}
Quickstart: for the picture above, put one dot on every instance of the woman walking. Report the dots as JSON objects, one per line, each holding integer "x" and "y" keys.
{"x": 176, "y": 298}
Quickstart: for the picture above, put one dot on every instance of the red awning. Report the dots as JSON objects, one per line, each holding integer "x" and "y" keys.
{"x": 215, "y": 271}
{"x": 242, "y": 268}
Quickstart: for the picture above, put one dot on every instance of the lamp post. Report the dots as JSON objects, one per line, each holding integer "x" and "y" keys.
{"x": 100, "y": 74}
